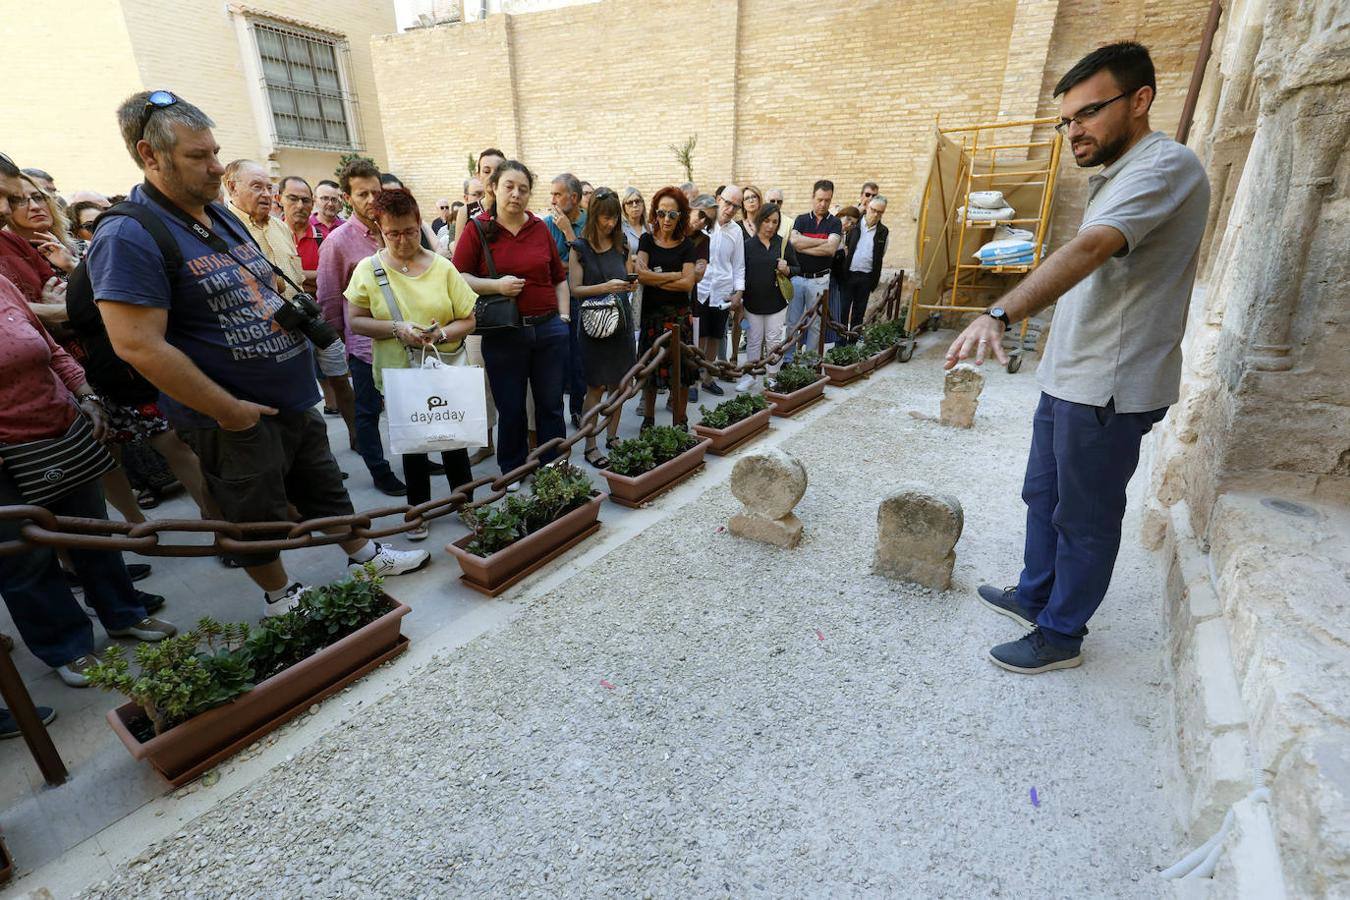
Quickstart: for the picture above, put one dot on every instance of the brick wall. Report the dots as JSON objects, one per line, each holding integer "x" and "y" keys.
{"x": 779, "y": 92}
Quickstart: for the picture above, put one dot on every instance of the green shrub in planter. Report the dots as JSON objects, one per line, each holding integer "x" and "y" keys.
{"x": 845, "y": 355}
{"x": 183, "y": 675}
{"x": 648, "y": 450}
{"x": 212, "y": 664}
{"x": 882, "y": 336}
{"x": 729, "y": 412}
{"x": 557, "y": 490}
{"x": 802, "y": 371}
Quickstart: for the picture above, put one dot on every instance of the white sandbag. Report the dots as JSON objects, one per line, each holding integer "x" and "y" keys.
{"x": 987, "y": 199}
{"x": 979, "y": 214}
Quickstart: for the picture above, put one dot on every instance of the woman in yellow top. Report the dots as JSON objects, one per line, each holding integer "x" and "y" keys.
{"x": 437, "y": 306}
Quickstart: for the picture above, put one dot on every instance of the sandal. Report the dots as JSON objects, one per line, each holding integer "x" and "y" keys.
{"x": 147, "y": 498}
{"x": 594, "y": 457}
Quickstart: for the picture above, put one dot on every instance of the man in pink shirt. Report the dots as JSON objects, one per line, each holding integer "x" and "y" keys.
{"x": 348, "y": 244}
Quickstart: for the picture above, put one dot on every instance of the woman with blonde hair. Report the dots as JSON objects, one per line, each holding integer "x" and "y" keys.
{"x": 38, "y": 219}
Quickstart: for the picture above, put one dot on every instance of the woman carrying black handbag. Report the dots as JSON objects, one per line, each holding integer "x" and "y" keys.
{"x": 532, "y": 355}
{"x": 600, "y": 272}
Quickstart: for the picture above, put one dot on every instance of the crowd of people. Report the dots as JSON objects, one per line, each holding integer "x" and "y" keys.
{"x": 199, "y": 323}
{"x": 204, "y": 319}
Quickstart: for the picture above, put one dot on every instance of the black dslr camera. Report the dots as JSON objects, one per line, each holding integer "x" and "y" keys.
{"x": 301, "y": 313}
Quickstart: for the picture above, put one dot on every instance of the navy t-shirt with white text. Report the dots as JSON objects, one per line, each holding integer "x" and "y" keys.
{"x": 221, "y": 308}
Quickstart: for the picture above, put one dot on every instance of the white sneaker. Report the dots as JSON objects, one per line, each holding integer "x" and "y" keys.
{"x": 745, "y": 384}
{"x": 285, "y": 603}
{"x": 388, "y": 561}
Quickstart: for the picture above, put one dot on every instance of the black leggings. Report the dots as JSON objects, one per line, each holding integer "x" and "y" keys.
{"x": 417, "y": 473}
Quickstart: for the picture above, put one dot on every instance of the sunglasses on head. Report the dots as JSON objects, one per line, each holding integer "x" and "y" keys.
{"x": 156, "y": 100}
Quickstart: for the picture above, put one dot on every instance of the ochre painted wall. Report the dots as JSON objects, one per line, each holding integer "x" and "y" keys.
{"x": 102, "y": 50}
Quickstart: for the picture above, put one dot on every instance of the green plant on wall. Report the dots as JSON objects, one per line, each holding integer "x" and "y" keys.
{"x": 473, "y": 166}
{"x": 684, "y": 155}
{"x": 348, "y": 157}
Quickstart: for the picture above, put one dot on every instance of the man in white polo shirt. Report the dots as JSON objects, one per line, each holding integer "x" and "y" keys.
{"x": 1112, "y": 364}
{"x": 723, "y": 281}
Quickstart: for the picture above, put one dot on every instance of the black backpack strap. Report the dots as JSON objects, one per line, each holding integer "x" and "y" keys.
{"x": 154, "y": 225}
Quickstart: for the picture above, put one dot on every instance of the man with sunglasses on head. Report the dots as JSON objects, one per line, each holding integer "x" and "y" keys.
{"x": 1112, "y": 363}
{"x": 191, "y": 302}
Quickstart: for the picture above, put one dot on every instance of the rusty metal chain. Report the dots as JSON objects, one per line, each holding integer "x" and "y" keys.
{"x": 41, "y": 527}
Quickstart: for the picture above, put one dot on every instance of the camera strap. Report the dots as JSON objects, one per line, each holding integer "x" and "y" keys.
{"x": 209, "y": 237}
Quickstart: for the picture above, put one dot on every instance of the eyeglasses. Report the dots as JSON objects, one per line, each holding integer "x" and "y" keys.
{"x": 666, "y": 214}
{"x": 156, "y": 100}
{"x": 602, "y": 194}
{"x": 729, "y": 203}
{"x": 636, "y": 201}
{"x": 296, "y": 198}
{"x": 30, "y": 199}
{"x": 1089, "y": 112}
{"x": 868, "y": 195}
{"x": 403, "y": 233}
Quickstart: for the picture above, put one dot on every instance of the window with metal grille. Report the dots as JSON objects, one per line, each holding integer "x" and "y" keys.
{"x": 304, "y": 76}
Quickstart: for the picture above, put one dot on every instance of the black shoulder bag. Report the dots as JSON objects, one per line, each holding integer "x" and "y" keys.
{"x": 493, "y": 312}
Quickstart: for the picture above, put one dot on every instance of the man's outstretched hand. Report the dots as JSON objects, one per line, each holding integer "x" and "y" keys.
{"x": 982, "y": 336}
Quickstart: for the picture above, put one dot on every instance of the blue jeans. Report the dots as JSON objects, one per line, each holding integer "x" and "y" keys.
{"x": 1081, "y": 459}
{"x": 532, "y": 357}
{"x": 369, "y": 403}
{"x": 805, "y": 295}
{"x": 51, "y": 622}
{"x": 576, "y": 374}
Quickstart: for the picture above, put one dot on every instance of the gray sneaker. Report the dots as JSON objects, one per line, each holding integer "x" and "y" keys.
{"x": 147, "y": 629}
{"x": 73, "y": 672}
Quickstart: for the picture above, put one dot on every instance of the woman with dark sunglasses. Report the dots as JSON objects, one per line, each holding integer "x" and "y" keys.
{"x": 665, "y": 269}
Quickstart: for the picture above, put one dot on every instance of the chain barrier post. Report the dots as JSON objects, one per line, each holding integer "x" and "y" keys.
{"x": 824, "y": 320}
{"x": 20, "y": 705}
{"x": 679, "y": 396}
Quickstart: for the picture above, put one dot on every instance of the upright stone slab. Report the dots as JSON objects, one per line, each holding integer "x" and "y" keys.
{"x": 961, "y": 395}
{"x": 917, "y": 531}
{"x": 769, "y": 482}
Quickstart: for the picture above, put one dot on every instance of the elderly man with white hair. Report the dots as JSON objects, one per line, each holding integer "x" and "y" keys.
{"x": 724, "y": 279}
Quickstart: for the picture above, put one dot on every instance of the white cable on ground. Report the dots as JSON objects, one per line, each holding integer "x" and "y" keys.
{"x": 1201, "y": 861}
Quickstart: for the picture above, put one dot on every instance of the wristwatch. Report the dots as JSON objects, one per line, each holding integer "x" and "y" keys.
{"x": 997, "y": 313}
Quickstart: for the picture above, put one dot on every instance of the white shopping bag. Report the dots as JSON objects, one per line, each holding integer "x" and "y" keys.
{"x": 434, "y": 408}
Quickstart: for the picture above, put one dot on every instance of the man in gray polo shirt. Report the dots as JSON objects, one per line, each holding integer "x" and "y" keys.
{"x": 1112, "y": 364}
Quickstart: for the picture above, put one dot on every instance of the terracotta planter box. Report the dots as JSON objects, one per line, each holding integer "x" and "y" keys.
{"x": 841, "y": 375}
{"x": 495, "y": 573}
{"x": 633, "y": 491}
{"x": 788, "y": 405}
{"x": 725, "y": 440}
{"x": 190, "y": 748}
{"x": 884, "y": 357}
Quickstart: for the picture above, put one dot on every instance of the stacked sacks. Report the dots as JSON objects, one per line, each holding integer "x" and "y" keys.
{"x": 1007, "y": 252}
{"x": 986, "y": 206}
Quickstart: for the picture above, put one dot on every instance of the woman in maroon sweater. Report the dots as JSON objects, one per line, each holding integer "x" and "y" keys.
{"x": 42, "y": 391}
{"x": 532, "y": 357}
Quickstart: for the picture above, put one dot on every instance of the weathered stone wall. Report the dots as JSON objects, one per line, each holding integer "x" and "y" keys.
{"x": 1254, "y": 462}
{"x": 779, "y": 92}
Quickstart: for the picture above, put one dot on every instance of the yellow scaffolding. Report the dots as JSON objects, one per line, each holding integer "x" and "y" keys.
{"x": 967, "y": 159}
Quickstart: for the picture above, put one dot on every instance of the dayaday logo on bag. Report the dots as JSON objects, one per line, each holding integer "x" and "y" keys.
{"x": 431, "y": 415}
{"x": 435, "y": 409}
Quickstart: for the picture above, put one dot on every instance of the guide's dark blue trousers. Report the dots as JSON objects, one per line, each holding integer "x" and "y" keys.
{"x": 1081, "y": 459}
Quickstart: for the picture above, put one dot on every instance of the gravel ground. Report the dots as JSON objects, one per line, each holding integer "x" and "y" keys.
{"x": 699, "y": 715}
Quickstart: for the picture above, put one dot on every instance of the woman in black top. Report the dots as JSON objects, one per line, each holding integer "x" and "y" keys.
{"x": 599, "y": 265}
{"x": 766, "y": 255}
{"x": 665, "y": 268}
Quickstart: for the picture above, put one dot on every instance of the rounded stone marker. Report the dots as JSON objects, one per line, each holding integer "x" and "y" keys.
{"x": 917, "y": 531}
{"x": 769, "y": 482}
